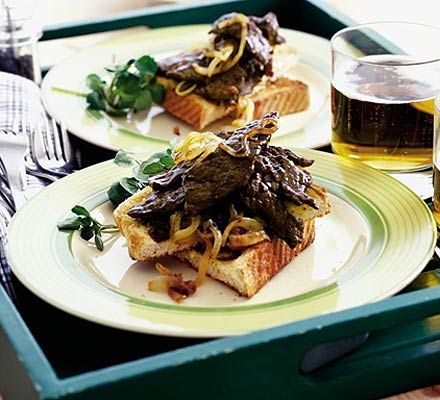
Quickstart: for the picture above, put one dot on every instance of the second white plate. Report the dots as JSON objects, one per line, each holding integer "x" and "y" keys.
{"x": 308, "y": 129}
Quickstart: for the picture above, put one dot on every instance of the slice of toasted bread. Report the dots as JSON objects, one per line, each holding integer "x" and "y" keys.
{"x": 141, "y": 246}
{"x": 247, "y": 273}
{"x": 284, "y": 95}
{"x": 192, "y": 108}
{"x": 256, "y": 266}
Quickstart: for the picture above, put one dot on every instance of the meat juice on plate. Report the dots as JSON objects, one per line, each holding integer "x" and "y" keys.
{"x": 384, "y": 116}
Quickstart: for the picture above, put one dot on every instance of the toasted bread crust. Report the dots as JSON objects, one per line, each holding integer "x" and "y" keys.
{"x": 247, "y": 273}
{"x": 284, "y": 95}
{"x": 141, "y": 246}
{"x": 192, "y": 108}
{"x": 256, "y": 266}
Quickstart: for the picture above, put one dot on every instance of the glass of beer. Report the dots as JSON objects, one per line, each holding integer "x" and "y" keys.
{"x": 385, "y": 77}
{"x": 436, "y": 162}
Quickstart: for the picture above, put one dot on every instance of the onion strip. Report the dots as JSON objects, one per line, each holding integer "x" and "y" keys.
{"x": 183, "y": 92}
{"x": 177, "y": 234}
{"x": 243, "y": 151}
{"x": 220, "y": 61}
{"x": 196, "y": 144}
{"x": 204, "y": 261}
{"x": 233, "y": 214}
{"x": 251, "y": 238}
{"x": 244, "y": 31}
{"x": 243, "y": 222}
{"x": 217, "y": 239}
{"x": 245, "y": 111}
{"x": 223, "y": 53}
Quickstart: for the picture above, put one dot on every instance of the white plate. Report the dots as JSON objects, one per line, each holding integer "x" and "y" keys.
{"x": 376, "y": 240}
{"x": 309, "y": 129}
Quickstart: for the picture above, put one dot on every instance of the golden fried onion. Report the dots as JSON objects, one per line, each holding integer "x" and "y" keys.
{"x": 182, "y": 88}
{"x": 196, "y": 144}
{"x": 245, "y": 112}
{"x": 177, "y": 234}
{"x": 221, "y": 61}
{"x": 171, "y": 283}
{"x": 201, "y": 144}
{"x": 268, "y": 127}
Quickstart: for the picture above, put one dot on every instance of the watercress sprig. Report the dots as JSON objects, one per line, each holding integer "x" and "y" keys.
{"x": 131, "y": 87}
{"x": 88, "y": 226}
{"x": 158, "y": 163}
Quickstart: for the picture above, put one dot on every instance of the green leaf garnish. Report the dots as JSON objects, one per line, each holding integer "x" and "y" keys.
{"x": 157, "y": 92}
{"x": 87, "y": 226}
{"x": 94, "y": 82}
{"x": 151, "y": 168}
{"x": 96, "y": 101}
{"x": 167, "y": 161}
{"x": 99, "y": 242}
{"x": 131, "y": 185}
{"x": 117, "y": 194}
{"x": 131, "y": 87}
{"x": 124, "y": 159}
{"x": 68, "y": 224}
{"x": 80, "y": 210}
{"x": 146, "y": 65}
{"x": 143, "y": 101}
{"x": 158, "y": 163}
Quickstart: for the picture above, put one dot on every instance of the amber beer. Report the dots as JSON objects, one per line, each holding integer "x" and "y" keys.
{"x": 436, "y": 196}
{"x": 436, "y": 163}
{"x": 388, "y": 132}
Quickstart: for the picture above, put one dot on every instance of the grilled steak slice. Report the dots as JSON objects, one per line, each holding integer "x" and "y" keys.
{"x": 257, "y": 177}
{"x": 179, "y": 66}
{"x": 290, "y": 155}
{"x": 212, "y": 180}
{"x": 158, "y": 204}
{"x": 284, "y": 177}
{"x": 258, "y": 197}
{"x": 227, "y": 86}
{"x": 170, "y": 179}
{"x": 269, "y": 26}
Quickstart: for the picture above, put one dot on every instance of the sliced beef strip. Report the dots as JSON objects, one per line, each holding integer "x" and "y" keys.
{"x": 255, "y": 62}
{"x": 158, "y": 204}
{"x": 170, "y": 179}
{"x": 269, "y": 26}
{"x": 262, "y": 201}
{"x": 284, "y": 177}
{"x": 257, "y": 46}
{"x": 159, "y": 228}
{"x": 212, "y": 180}
{"x": 226, "y": 86}
{"x": 290, "y": 155}
{"x": 180, "y": 66}
{"x": 198, "y": 185}
{"x": 235, "y": 135}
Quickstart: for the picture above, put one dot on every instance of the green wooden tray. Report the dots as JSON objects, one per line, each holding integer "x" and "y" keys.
{"x": 376, "y": 350}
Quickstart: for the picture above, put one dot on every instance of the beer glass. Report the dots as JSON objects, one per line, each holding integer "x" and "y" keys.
{"x": 385, "y": 77}
{"x": 436, "y": 162}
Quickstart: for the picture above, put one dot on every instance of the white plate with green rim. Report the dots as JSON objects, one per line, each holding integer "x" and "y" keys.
{"x": 376, "y": 240}
{"x": 308, "y": 129}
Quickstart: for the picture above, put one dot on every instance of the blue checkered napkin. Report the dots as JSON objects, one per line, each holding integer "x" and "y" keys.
{"x": 20, "y": 107}
{"x": 20, "y": 101}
